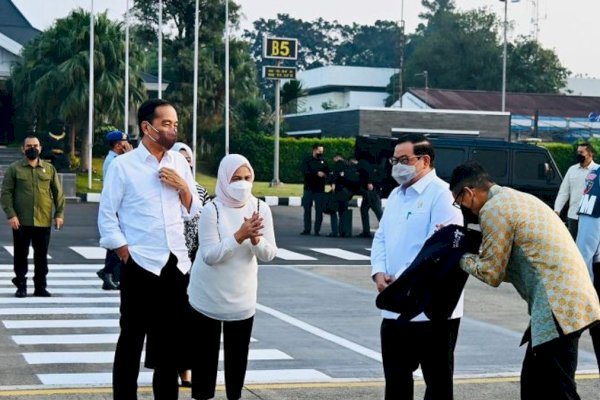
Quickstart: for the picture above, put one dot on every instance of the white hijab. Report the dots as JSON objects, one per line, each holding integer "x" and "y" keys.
{"x": 182, "y": 146}
{"x": 229, "y": 164}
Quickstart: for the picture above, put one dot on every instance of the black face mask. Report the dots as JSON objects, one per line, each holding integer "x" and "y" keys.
{"x": 468, "y": 216}
{"x": 319, "y": 155}
{"x": 580, "y": 158}
{"x": 32, "y": 153}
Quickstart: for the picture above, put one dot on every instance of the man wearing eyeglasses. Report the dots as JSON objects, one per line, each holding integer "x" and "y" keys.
{"x": 414, "y": 210}
{"x": 525, "y": 243}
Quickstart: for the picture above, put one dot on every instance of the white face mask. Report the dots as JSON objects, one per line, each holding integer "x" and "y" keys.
{"x": 403, "y": 173}
{"x": 240, "y": 190}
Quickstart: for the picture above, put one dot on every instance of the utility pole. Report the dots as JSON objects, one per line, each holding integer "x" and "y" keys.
{"x": 402, "y": 45}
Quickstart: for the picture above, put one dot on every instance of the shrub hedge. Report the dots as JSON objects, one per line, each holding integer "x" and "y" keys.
{"x": 259, "y": 151}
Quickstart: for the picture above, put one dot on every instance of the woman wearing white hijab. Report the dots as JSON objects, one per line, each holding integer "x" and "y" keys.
{"x": 234, "y": 231}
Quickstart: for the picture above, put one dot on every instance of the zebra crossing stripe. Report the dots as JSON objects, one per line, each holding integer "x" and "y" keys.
{"x": 145, "y": 378}
{"x": 343, "y": 254}
{"x": 107, "y": 357}
{"x": 61, "y": 323}
{"x": 56, "y": 267}
{"x": 94, "y": 338}
{"x": 90, "y": 253}
{"x": 59, "y": 300}
{"x": 62, "y": 282}
{"x": 97, "y": 290}
{"x": 59, "y": 310}
{"x": 57, "y": 274}
{"x": 11, "y": 250}
{"x": 290, "y": 255}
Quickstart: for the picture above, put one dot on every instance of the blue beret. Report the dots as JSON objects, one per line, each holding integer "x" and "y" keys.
{"x": 116, "y": 136}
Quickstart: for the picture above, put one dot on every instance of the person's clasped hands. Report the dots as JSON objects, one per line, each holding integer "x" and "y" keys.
{"x": 250, "y": 229}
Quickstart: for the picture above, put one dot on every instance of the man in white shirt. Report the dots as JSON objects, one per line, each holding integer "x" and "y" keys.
{"x": 414, "y": 210}
{"x": 146, "y": 197}
{"x": 571, "y": 188}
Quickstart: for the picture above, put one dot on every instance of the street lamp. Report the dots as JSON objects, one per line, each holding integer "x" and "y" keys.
{"x": 504, "y": 57}
{"x": 425, "y": 75}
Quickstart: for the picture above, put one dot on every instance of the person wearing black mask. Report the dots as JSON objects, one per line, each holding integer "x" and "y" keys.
{"x": 315, "y": 172}
{"x": 30, "y": 190}
{"x": 571, "y": 188}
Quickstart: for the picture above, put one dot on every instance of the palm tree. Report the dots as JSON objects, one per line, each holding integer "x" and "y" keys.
{"x": 52, "y": 81}
{"x": 291, "y": 93}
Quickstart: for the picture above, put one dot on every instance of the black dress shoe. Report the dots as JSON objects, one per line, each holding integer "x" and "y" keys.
{"x": 305, "y": 233}
{"x": 333, "y": 235}
{"x": 365, "y": 235}
{"x": 42, "y": 293}
{"x": 21, "y": 292}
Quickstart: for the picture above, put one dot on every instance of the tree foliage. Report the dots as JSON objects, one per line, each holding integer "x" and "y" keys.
{"x": 178, "y": 59}
{"x": 52, "y": 80}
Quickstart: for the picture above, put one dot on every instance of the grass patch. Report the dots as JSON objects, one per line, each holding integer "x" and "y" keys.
{"x": 206, "y": 180}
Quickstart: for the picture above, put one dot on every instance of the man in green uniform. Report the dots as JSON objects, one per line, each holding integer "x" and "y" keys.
{"x": 30, "y": 190}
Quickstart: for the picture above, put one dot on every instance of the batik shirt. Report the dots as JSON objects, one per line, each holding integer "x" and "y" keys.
{"x": 525, "y": 243}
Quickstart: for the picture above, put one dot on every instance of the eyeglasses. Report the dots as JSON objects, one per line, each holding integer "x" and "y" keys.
{"x": 458, "y": 199}
{"x": 405, "y": 160}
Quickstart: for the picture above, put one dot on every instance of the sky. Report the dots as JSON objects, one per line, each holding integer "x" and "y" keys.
{"x": 569, "y": 27}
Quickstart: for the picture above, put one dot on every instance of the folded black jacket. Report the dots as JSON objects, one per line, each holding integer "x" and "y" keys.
{"x": 434, "y": 281}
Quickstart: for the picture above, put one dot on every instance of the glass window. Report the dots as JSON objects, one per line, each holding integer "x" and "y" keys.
{"x": 530, "y": 166}
{"x": 446, "y": 159}
{"x": 494, "y": 161}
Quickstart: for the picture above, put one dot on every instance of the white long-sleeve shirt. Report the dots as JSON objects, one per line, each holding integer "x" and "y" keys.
{"x": 409, "y": 219}
{"x": 571, "y": 188}
{"x": 224, "y": 279}
{"x": 138, "y": 210}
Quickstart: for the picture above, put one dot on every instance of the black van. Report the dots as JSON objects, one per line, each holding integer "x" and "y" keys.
{"x": 522, "y": 166}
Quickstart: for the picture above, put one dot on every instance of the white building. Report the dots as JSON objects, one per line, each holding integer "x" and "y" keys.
{"x": 339, "y": 87}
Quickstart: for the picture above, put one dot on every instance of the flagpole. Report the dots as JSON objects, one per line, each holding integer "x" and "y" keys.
{"x": 91, "y": 98}
{"x": 195, "y": 105}
{"x": 160, "y": 49}
{"x": 126, "y": 83}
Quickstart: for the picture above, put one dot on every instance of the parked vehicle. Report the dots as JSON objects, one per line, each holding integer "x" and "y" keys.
{"x": 525, "y": 167}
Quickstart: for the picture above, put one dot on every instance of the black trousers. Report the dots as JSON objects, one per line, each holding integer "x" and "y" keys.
{"x": 549, "y": 369}
{"x": 236, "y": 343}
{"x": 39, "y": 239}
{"x": 308, "y": 197}
{"x": 155, "y": 308}
{"x": 406, "y": 345}
{"x": 573, "y": 226}
{"x": 337, "y": 225}
{"x": 370, "y": 200}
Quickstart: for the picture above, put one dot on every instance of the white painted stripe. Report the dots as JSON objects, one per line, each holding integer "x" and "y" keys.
{"x": 321, "y": 333}
{"x": 145, "y": 378}
{"x": 59, "y": 300}
{"x": 290, "y": 255}
{"x": 295, "y": 201}
{"x": 104, "y": 357}
{"x": 52, "y": 267}
{"x": 343, "y": 254}
{"x": 92, "y": 197}
{"x": 61, "y": 323}
{"x": 62, "y": 282}
{"x": 58, "y": 274}
{"x": 66, "y": 339}
{"x": 11, "y": 250}
{"x": 272, "y": 200}
{"x": 90, "y": 253}
{"x": 97, "y": 290}
{"x": 59, "y": 310}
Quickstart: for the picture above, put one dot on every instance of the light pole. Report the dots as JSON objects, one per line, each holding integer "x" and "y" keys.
{"x": 504, "y": 57}
{"x": 195, "y": 94}
{"x": 160, "y": 49}
{"x": 91, "y": 98}
{"x": 425, "y": 75}
{"x": 126, "y": 83}
{"x": 226, "y": 77}
{"x": 402, "y": 44}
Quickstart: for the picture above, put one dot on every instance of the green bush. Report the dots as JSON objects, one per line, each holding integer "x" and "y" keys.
{"x": 563, "y": 154}
{"x": 259, "y": 150}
